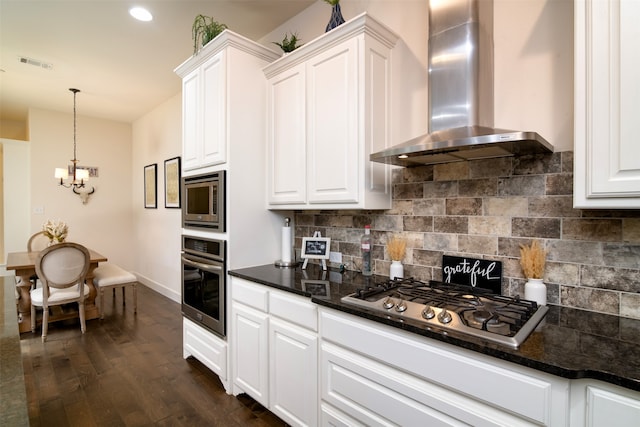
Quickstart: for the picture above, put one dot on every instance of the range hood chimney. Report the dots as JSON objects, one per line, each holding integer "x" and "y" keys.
{"x": 461, "y": 93}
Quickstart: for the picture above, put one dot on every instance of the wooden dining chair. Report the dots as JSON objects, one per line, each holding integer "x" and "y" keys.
{"x": 62, "y": 270}
{"x": 36, "y": 243}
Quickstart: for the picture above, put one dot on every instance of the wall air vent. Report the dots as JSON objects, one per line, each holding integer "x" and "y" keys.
{"x": 35, "y": 62}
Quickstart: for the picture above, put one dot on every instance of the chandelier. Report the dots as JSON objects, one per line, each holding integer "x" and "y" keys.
{"x": 80, "y": 176}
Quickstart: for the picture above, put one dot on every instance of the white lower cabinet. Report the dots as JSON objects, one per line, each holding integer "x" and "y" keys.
{"x": 275, "y": 350}
{"x": 312, "y": 365}
{"x": 206, "y": 347}
{"x": 251, "y": 368}
{"x": 293, "y": 370}
{"x": 597, "y": 404}
{"x": 382, "y": 376}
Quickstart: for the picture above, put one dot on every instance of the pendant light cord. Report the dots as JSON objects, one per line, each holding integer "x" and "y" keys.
{"x": 75, "y": 91}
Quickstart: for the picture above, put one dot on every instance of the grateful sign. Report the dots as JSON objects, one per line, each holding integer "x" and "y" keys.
{"x": 478, "y": 273}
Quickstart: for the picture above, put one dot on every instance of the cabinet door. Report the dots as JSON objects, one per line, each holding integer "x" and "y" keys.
{"x": 214, "y": 111}
{"x": 332, "y": 125}
{"x": 286, "y": 135}
{"x": 607, "y": 101}
{"x": 250, "y": 342}
{"x": 293, "y": 373}
{"x": 608, "y": 409}
{"x": 190, "y": 120}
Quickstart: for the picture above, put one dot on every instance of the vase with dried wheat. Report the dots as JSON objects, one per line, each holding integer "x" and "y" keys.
{"x": 396, "y": 248}
{"x": 532, "y": 260}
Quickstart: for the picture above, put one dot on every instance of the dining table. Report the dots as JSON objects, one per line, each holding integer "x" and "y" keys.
{"x": 24, "y": 265}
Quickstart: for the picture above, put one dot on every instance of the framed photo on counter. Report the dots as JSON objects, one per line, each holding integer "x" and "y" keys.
{"x": 151, "y": 186}
{"x": 172, "y": 183}
{"x": 315, "y": 247}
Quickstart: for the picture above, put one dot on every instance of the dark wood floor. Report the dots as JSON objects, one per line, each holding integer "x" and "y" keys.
{"x": 128, "y": 370}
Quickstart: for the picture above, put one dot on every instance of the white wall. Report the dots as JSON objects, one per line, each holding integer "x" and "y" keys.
{"x": 16, "y": 201}
{"x": 105, "y": 223}
{"x": 156, "y": 232}
{"x": 533, "y": 51}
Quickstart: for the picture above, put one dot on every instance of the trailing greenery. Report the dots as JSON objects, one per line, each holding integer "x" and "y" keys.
{"x": 332, "y": 2}
{"x": 205, "y": 29}
{"x": 289, "y": 43}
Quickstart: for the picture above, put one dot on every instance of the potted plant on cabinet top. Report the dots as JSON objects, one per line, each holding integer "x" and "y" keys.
{"x": 205, "y": 29}
{"x": 289, "y": 43}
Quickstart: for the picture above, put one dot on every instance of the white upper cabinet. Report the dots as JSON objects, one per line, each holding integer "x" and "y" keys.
{"x": 230, "y": 64}
{"x": 607, "y": 102}
{"x": 328, "y": 110}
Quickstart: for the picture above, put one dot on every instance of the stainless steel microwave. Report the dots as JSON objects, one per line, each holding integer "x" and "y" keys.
{"x": 203, "y": 201}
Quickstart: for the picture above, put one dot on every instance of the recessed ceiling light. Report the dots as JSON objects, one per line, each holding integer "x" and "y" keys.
{"x": 141, "y": 14}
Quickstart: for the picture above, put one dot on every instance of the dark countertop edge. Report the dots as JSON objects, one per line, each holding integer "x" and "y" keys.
{"x": 492, "y": 350}
{"x": 13, "y": 394}
{"x": 469, "y": 343}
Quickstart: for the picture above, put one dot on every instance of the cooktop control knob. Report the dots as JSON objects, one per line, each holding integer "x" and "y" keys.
{"x": 401, "y": 306}
{"x": 444, "y": 316}
{"x": 428, "y": 313}
{"x": 388, "y": 303}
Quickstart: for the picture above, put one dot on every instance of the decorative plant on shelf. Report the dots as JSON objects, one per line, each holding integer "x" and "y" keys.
{"x": 205, "y": 29}
{"x": 289, "y": 43}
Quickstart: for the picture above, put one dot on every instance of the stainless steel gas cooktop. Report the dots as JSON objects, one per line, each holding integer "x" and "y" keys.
{"x": 445, "y": 307}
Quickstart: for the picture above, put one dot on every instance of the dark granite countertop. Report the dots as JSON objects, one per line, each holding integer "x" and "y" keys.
{"x": 13, "y": 395}
{"x": 569, "y": 343}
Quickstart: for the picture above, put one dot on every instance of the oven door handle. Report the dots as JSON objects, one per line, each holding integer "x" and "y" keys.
{"x": 202, "y": 266}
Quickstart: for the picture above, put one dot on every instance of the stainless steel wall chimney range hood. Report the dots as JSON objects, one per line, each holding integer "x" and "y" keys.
{"x": 461, "y": 93}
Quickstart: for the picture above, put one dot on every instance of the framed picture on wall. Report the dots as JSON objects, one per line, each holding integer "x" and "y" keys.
{"x": 151, "y": 186}
{"x": 172, "y": 183}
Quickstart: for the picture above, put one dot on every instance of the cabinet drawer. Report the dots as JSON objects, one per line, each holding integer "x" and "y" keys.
{"x": 204, "y": 346}
{"x": 294, "y": 309}
{"x": 377, "y": 394}
{"x": 533, "y": 395}
{"x": 253, "y": 295}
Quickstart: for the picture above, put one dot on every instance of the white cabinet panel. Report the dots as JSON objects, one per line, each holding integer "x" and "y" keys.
{"x": 332, "y": 90}
{"x": 437, "y": 371}
{"x": 251, "y": 352}
{"x": 607, "y": 409}
{"x": 190, "y": 120}
{"x": 274, "y": 348}
{"x": 204, "y": 114}
{"x": 607, "y": 101}
{"x": 598, "y": 404}
{"x": 287, "y": 154}
{"x": 214, "y": 125}
{"x": 329, "y": 109}
{"x": 293, "y": 373}
{"x": 206, "y": 347}
{"x": 223, "y": 92}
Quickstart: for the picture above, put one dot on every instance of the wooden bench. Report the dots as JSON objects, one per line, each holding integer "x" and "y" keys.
{"x": 112, "y": 276}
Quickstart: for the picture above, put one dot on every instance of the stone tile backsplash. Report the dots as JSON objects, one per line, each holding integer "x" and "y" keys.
{"x": 487, "y": 209}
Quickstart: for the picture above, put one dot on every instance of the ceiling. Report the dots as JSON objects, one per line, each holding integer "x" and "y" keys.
{"x": 123, "y": 67}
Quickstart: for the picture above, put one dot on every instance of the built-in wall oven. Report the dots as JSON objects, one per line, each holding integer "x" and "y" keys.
{"x": 203, "y": 282}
